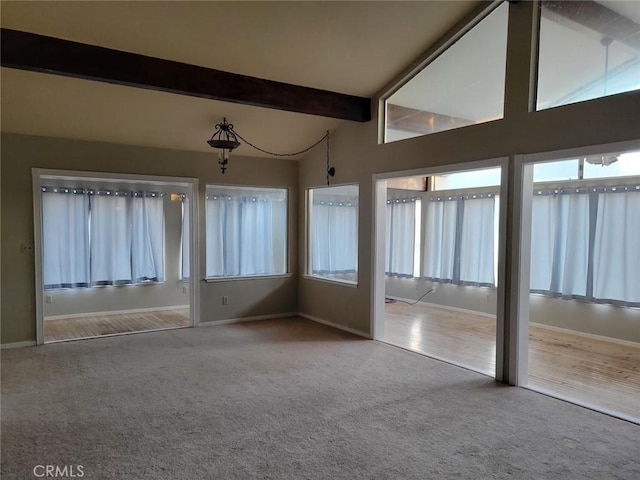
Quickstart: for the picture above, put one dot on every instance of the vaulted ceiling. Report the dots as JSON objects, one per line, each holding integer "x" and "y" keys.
{"x": 348, "y": 47}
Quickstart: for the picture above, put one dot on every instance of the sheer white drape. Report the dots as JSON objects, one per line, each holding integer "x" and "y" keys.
{"x": 102, "y": 237}
{"x": 239, "y": 232}
{"x": 441, "y": 218}
{"x": 185, "y": 265}
{"x": 256, "y": 250}
{"x": 459, "y": 239}
{"x": 334, "y": 231}
{"x": 147, "y": 249}
{"x": 477, "y": 241}
{"x": 65, "y": 220}
{"x": 400, "y": 245}
{"x": 616, "y": 259}
{"x": 584, "y": 244}
{"x": 110, "y": 239}
{"x": 215, "y": 235}
{"x": 560, "y": 243}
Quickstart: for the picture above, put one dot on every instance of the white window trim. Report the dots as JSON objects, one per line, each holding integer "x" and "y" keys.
{"x": 246, "y": 277}
{"x": 318, "y": 278}
{"x": 427, "y": 57}
{"x": 307, "y": 238}
{"x": 287, "y": 261}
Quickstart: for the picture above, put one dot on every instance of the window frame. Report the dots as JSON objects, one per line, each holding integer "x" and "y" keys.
{"x": 463, "y": 27}
{"x": 287, "y": 241}
{"x": 535, "y": 107}
{"x": 308, "y": 241}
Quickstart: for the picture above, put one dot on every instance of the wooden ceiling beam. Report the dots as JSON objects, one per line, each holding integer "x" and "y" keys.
{"x": 39, "y": 53}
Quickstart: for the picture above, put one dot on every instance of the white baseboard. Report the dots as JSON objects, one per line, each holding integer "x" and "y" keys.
{"x": 114, "y": 312}
{"x": 28, "y": 343}
{"x": 592, "y": 336}
{"x": 335, "y": 325}
{"x": 247, "y": 319}
{"x": 446, "y": 307}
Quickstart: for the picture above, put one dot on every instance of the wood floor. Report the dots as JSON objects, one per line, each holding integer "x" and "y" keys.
{"x": 96, "y": 326}
{"x": 590, "y": 371}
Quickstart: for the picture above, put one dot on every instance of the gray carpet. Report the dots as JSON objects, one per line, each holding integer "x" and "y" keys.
{"x": 288, "y": 399}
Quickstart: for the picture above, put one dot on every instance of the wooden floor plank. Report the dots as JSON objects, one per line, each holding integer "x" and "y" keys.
{"x": 588, "y": 370}
{"x": 96, "y": 326}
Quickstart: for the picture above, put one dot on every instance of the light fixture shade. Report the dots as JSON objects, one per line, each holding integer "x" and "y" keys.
{"x": 224, "y": 137}
{"x": 223, "y": 143}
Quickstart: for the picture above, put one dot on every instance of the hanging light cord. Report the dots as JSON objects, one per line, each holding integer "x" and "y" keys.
{"x": 329, "y": 173}
{"x": 326, "y": 136}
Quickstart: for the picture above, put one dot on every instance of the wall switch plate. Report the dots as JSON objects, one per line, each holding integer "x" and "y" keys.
{"x": 48, "y": 298}
{"x": 184, "y": 289}
{"x": 26, "y": 248}
{"x": 225, "y": 300}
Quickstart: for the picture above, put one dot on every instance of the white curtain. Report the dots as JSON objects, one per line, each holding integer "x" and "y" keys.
{"x": 334, "y": 230}
{"x": 560, "y": 244}
{"x": 477, "y": 241}
{"x": 400, "y": 237}
{"x": 147, "y": 249}
{"x": 215, "y": 222}
{"x": 110, "y": 239}
{"x": 65, "y": 228}
{"x": 186, "y": 239}
{"x": 616, "y": 258}
{"x": 440, "y": 227}
{"x": 256, "y": 236}
{"x": 239, "y": 234}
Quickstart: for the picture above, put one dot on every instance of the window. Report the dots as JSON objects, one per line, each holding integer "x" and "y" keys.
{"x": 246, "y": 231}
{"x": 562, "y": 170}
{"x": 608, "y": 165}
{"x": 463, "y": 86}
{"x": 612, "y": 165}
{"x": 333, "y": 233}
{"x": 488, "y": 177}
{"x": 101, "y": 237}
{"x": 403, "y": 237}
{"x": 587, "y": 53}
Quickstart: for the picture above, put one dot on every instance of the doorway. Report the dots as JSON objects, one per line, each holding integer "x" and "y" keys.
{"x": 583, "y": 309}
{"x": 114, "y": 254}
{"x": 436, "y": 263}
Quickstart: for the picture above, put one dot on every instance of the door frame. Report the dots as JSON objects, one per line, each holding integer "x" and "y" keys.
{"x": 40, "y": 174}
{"x": 379, "y": 188}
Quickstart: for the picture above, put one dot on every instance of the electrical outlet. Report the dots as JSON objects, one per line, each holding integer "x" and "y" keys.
{"x": 225, "y": 300}
{"x": 184, "y": 290}
{"x": 434, "y": 289}
{"x": 26, "y": 248}
{"x": 48, "y": 298}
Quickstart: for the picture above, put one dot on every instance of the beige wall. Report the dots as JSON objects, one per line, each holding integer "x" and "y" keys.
{"x": 357, "y": 155}
{"x": 21, "y": 153}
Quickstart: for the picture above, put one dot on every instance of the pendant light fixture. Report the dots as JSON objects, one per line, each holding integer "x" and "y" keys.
{"x": 225, "y": 139}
